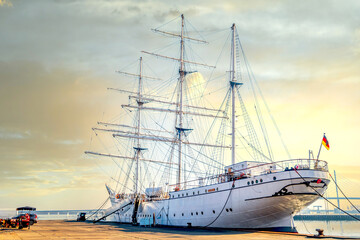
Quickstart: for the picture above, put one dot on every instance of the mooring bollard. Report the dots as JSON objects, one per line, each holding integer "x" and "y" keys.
{"x": 320, "y": 232}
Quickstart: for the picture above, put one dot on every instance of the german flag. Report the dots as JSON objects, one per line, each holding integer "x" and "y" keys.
{"x": 325, "y": 142}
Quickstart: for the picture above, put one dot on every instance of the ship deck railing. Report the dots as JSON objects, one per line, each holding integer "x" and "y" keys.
{"x": 260, "y": 169}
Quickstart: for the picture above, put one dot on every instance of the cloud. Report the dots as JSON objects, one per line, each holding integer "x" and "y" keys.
{"x": 70, "y": 142}
{"x": 45, "y": 124}
{"x": 13, "y": 135}
{"x": 6, "y": 3}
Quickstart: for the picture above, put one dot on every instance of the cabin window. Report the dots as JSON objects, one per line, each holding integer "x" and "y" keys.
{"x": 182, "y": 194}
{"x": 202, "y": 213}
{"x": 197, "y": 213}
{"x": 256, "y": 181}
{"x": 227, "y": 210}
{"x": 192, "y": 214}
{"x": 193, "y": 193}
{"x": 182, "y": 214}
{"x": 230, "y": 209}
{"x": 178, "y": 195}
{"x": 248, "y": 183}
{"x": 214, "y": 211}
{"x": 206, "y": 190}
{"x": 217, "y": 189}
{"x": 169, "y": 195}
{"x": 186, "y": 194}
{"x": 252, "y": 182}
{"x": 261, "y": 180}
{"x": 274, "y": 178}
{"x": 198, "y": 192}
{"x": 174, "y": 214}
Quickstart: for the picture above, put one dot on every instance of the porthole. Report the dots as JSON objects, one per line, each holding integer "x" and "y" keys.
{"x": 186, "y": 194}
{"x": 198, "y": 192}
{"x": 274, "y": 178}
{"x": 256, "y": 181}
{"x": 217, "y": 189}
{"x": 182, "y": 194}
{"x": 197, "y": 213}
{"x": 230, "y": 209}
{"x": 192, "y": 214}
{"x": 178, "y": 195}
{"x": 248, "y": 183}
{"x": 170, "y": 195}
{"x": 213, "y": 211}
{"x": 227, "y": 210}
{"x": 182, "y": 214}
{"x": 206, "y": 190}
{"x": 202, "y": 213}
{"x": 261, "y": 180}
{"x": 174, "y": 214}
{"x": 252, "y": 182}
{"x": 193, "y": 193}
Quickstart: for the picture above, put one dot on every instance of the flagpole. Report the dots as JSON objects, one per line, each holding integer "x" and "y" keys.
{"x": 320, "y": 148}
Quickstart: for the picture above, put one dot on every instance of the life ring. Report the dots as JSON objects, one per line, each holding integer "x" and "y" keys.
{"x": 177, "y": 189}
{"x": 117, "y": 196}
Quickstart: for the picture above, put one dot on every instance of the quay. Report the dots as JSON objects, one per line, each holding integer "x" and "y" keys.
{"x": 60, "y": 229}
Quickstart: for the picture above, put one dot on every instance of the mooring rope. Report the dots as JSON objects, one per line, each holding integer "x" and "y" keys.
{"x": 343, "y": 193}
{"x": 232, "y": 187}
{"x": 327, "y": 199}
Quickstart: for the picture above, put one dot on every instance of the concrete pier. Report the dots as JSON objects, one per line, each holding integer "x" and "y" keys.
{"x": 59, "y": 229}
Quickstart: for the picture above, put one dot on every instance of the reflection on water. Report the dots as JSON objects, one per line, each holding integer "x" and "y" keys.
{"x": 334, "y": 228}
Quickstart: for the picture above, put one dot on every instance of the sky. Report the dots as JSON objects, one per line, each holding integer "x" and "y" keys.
{"x": 58, "y": 57}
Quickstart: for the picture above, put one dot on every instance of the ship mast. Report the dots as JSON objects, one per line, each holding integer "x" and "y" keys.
{"x": 179, "y": 121}
{"x": 138, "y": 147}
{"x": 233, "y": 89}
{"x": 181, "y": 79}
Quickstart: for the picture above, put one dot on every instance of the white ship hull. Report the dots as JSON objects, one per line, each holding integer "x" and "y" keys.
{"x": 256, "y": 206}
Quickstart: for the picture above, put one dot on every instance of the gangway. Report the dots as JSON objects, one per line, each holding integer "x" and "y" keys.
{"x": 125, "y": 204}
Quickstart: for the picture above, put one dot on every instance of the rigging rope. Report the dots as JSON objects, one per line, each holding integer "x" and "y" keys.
{"x": 99, "y": 207}
{"x": 358, "y": 219}
{"x": 343, "y": 193}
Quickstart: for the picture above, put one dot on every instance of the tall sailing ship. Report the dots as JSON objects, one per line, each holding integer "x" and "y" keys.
{"x": 183, "y": 162}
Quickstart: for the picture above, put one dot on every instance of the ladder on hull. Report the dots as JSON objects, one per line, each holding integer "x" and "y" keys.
{"x": 136, "y": 207}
